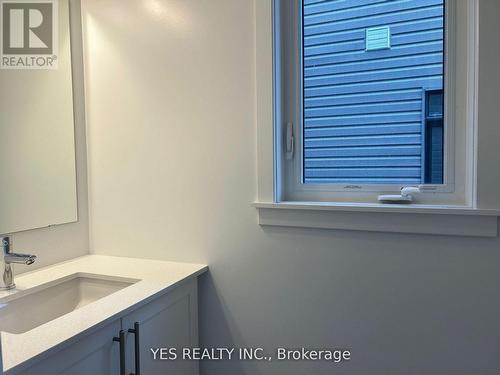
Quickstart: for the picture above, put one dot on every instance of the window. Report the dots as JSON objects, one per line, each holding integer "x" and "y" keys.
{"x": 433, "y": 138}
{"x": 367, "y": 99}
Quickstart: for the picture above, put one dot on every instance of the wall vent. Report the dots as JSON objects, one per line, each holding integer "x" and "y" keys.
{"x": 378, "y": 38}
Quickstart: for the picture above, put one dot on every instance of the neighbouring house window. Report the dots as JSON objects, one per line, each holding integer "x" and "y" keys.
{"x": 433, "y": 139}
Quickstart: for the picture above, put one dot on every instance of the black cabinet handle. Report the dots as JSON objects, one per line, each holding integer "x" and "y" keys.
{"x": 137, "y": 346}
{"x": 121, "y": 340}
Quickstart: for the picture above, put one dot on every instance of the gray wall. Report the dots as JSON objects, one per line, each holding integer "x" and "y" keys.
{"x": 402, "y": 304}
{"x": 489, "y": 82}
{"x": 172, "y": 172}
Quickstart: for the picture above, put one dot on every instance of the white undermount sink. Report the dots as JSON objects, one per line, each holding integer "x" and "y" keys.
{"x": 28, "y": 309}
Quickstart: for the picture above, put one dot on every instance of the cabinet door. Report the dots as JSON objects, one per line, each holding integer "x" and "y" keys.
{"x": 169, "y": 321}
{"x": 95, "y": 354}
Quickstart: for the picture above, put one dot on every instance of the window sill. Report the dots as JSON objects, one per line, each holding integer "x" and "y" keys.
{"x": 415, "y": 218}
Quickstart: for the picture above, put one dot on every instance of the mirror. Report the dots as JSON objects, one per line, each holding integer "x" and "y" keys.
{"x": 37, "y": 139}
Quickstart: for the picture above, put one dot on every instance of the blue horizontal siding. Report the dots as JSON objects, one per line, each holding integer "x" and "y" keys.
{"x": 362, "y": 119}
{"x": 396, "y": 29}
{"x": 418, "y": 71}
{"x": 359, "y": 44}
{"x": 356, "y": 180}
{"x": 408, "y": 161}
{"x": 363, "y": 98}
{"x": 419, "y": 49}
{"x": 367, "y": 66}
{"x": 363, "y": 110}
{"x": 369, "y": 12}
{"x": 371, "y": 87}
{"x": 356, "y": 109}
{"x": 372, "y": 21}
{"x": 320, "y": 6}
{"x": 397, "y": 139}
{"x": 384, "y": 172}
{"x": 353, "y": 151}
{"x": 379, "y": 129}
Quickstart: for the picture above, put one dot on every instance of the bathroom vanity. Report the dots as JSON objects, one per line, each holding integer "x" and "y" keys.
{"x": 100, "y": 315}
{"x": 94, "y": 315}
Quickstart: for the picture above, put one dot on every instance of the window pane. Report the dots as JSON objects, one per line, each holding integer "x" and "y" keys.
{"x": 435, "y": 104}
{"x": 368, "y": 65}
{"x": 434, "y": 138}
{"x": 434, "y": 152}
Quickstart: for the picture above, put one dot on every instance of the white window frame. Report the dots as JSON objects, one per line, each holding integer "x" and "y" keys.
{"x": 460, "y": 76}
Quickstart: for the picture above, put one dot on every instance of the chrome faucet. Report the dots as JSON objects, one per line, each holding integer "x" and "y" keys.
{"x": 6, "y": 260}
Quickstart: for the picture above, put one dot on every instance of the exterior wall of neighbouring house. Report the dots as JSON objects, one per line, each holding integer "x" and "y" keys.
{"x": 364, "y": 109}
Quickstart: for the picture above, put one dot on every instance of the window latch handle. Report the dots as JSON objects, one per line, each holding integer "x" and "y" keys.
{"x": 406, "y": 195}
{"x": 289, "y": 141}
{"x": 408, "y": 191}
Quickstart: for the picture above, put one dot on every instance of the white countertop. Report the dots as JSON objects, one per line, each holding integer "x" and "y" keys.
{"x": 155, "y": 277}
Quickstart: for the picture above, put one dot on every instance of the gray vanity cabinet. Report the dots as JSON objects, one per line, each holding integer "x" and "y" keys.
{"x": 164, "y": 323}
{"x": 94, "y": 354}
{"x": 167, "y": 320}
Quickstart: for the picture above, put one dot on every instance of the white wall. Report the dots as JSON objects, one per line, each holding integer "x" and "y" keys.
{"x": 172, "y": 172}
